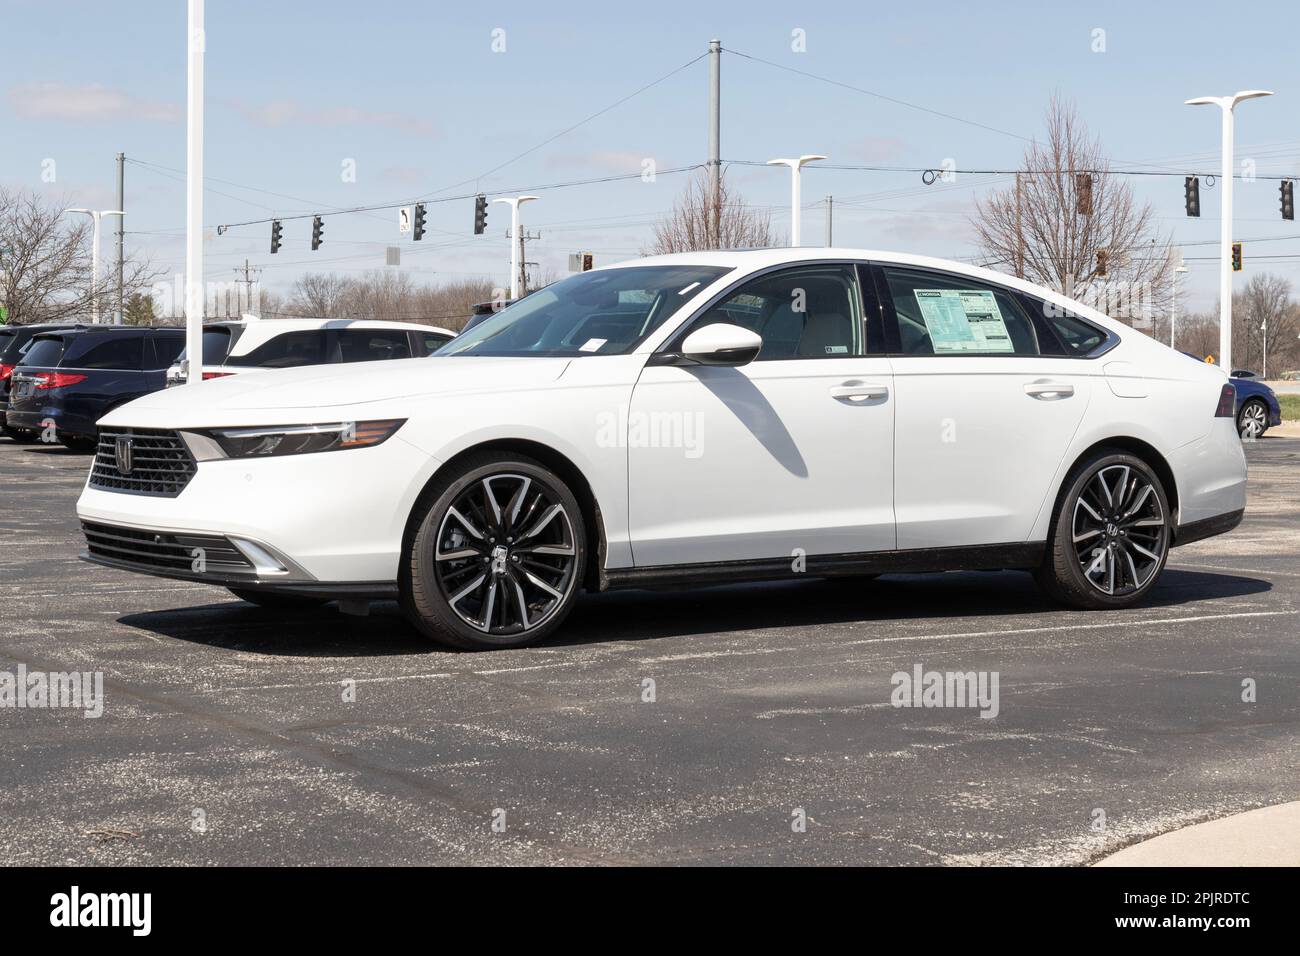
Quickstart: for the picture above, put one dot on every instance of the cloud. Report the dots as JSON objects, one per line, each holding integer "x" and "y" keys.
{"x": 89, "y": 103}
{"x": 279, "y": 113}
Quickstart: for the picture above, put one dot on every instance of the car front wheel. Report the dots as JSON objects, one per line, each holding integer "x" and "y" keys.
{"x": 1252, "y": 420}
{"x": 498, "y": 556}
{"x": 1111, "y": 534}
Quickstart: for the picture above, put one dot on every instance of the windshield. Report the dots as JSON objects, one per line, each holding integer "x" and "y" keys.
{"x": 608, "y": 312}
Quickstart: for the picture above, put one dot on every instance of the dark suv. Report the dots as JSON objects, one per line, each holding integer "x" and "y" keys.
{"x": 14, "y": 340}
{"x": 70, "y": 379}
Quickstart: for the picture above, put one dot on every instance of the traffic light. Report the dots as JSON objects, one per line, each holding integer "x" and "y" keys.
{"x": 1103, "y": 258}
{"x": 417, "y": 230}
{"x": 1192, "y": 195}
{"x": 480, "y": 214}
{"x": 1083, "y": 194}
{"x": 317, "y": 227}
{"x": 1288, "y": 199}
{"x": 275, "y": 236}
{"x": 1236, "y": 257}
{"x": 586, "y": 262}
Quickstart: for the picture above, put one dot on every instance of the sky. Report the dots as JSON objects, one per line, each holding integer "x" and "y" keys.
{"x": 323, "y": 105}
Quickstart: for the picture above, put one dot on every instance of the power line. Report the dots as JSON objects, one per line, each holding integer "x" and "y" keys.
{"x": 880, "y": 96}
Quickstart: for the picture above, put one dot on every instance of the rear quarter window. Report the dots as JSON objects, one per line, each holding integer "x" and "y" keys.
{"x": 43, "y": 353}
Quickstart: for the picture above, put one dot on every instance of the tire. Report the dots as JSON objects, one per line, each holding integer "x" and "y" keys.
{"x": 1134, "y": 532}
{"x": 1252, "y": 419}
{"x": 23, "y": 436}
{"x": 84, "y": 446}
{"x": 273, "y": 601}
{"x": 492, "y": 563}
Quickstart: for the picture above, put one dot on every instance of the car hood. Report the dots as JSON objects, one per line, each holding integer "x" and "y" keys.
{"x": 328, "y": 386}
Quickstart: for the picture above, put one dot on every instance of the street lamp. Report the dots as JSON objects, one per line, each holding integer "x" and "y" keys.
{"x": 95, "y": 215}
{"x": 1226, "y": 104}
{"x": 516, "y": 241}
{"x": 1173, "y": 305}
{"x": 796, "y": 214}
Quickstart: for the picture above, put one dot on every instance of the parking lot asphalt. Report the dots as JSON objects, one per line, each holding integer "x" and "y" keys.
{"x": 226, "y": 738}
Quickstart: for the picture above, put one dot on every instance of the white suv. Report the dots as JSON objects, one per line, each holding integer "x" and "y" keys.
{"x": 680, "y": 421}
{"x": 233, "y": 347}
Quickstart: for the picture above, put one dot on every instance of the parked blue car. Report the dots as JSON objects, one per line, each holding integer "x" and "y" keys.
{"x": 71, "y": 379}
{"x": 14, "y": 340}
{"x": 1258, "y": 409}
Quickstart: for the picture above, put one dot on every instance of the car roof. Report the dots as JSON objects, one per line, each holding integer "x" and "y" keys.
{"x": 312, "y": 324}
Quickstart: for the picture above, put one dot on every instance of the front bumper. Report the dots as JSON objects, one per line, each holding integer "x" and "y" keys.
{"x": 333, "y": 517}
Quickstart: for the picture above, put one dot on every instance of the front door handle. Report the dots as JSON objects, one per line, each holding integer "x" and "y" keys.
{"x": 860, "y": 392}
{"x": 1049, "y": 391}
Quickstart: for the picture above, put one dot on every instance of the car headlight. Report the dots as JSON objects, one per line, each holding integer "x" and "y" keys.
{"x": 209, "y": 444}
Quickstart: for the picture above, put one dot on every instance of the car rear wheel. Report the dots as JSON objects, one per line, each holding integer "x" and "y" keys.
{"x": 1110, "y": 536}
{"x": 1252, "y": 420}
{"x": 498, "y": 556}
{"x": 274, "y": 601}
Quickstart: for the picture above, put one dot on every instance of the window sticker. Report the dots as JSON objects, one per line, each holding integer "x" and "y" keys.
{"x": 592, "y": 345}
{"x": 963, "y": 320}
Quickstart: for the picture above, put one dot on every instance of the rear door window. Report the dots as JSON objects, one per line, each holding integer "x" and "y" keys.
{"x": 941, "y": 313}
{"x": 289, "y": 350}
{"x": 121, "y": 352}
{"x": 433, "y": 341}
{"x": 43, "y": 352}
{"x": 372, "y": 345}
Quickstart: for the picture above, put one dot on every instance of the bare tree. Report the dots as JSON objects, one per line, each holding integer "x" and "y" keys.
{"x": 391, "y": 296}
{"x": 1264, "y": 315}
{"x": 45, "y": 263}
{"x": 44, "y": 259}
{"x": 690, "y": 226}
{"x": 1035, "y": 229}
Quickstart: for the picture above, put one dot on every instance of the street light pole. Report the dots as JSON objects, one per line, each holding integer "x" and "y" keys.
{"x": 796, "y": 214}
{"x": 515, "y": 201}
{"x": 95, "y": 216}
{"x": 1173, "y": 305}
{"x": 1226, "y": 104}
{"x": 194, "y": 291}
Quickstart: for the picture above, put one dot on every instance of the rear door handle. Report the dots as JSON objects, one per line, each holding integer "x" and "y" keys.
{"x": 1049, "y": 391}
{"x": 858, "y": 392}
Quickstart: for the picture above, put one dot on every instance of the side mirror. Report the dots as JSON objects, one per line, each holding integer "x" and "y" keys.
{"x": 722, "y": 344}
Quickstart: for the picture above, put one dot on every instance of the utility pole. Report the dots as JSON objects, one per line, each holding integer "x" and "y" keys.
{"x": 713, "y": 224}
{"x": 121, "y": 233}
{"x": 525, "y": 236}
{"x": 249, "y": 274}
{"x": 830, "y": 219}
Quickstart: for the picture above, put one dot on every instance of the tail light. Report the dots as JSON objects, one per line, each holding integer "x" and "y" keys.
{"x": 5, "y": 372}
{"x": 48, "y": 380}
{"x": 1227, "y": 403}
{"x": 208, "y": 375}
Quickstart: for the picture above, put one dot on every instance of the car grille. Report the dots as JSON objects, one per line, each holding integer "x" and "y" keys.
{"x": 160, "y": 463}
{"x": 195, "y": 554}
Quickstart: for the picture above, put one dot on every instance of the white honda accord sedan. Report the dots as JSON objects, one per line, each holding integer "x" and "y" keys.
{"x": 686, "y": 420}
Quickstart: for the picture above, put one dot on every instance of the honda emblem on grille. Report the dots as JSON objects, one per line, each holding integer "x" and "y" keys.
{"x": 124, "y": 448}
